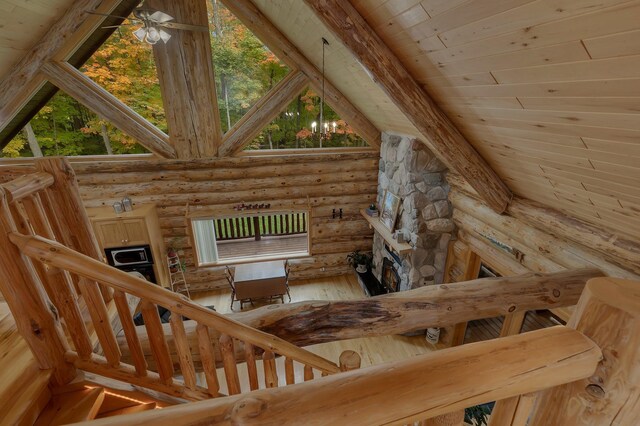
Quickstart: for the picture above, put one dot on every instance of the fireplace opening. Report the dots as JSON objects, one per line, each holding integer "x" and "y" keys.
{"x": 390, "y": 277}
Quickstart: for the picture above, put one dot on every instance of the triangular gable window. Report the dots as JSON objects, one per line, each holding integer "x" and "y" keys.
{"x": 65, "y": 127}
{"x": 299, "y": 127}
{"x": 245, "y": 69}
{"x": 123, "y": 67}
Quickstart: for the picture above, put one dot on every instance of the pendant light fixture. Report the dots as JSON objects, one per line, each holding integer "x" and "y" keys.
{"x": 323, "y": 126}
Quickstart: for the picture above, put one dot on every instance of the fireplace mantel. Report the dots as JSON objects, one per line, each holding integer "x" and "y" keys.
{"x": 386, "y": 235}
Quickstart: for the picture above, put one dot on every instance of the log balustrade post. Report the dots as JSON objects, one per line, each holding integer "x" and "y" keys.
{"x": 349, "y": 360}
{"x": 609, "y": 314}
{"x": 69, "y": 209}
{"x": 34, "y": 314}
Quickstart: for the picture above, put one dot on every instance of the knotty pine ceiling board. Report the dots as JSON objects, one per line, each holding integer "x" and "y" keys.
{"x": 22, "y": 24}
{"x": 547, "y": 91}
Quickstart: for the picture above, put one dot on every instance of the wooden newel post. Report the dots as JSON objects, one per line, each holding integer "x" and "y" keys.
{"x": 32, "y": 310}
{"x": 609, "y": 314}
{"x": 349, "y": 360}
{"x": 66, "y": 204}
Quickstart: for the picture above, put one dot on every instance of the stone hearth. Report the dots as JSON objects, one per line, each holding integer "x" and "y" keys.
{"x": 411, "y": 171}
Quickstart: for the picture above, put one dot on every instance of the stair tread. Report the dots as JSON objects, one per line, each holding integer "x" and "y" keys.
{"x": 28, "y": 401}
{"x": 72, "y": 407}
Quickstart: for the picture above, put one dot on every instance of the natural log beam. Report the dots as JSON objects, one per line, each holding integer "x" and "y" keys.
{"x": 429, "y": 385}
{"x": 23, "y": 80}
{"x": 64, "y": 36}
{"x": 307, "y": 323}
{"x": 261, "y": 114}
{"x": 280, "y": 45}
{"x": 312, "y": 322}
{"x": 187, "y": 82}
{"x": 27, "y": 185}
{"x": 389, "y": 73}
{"x": 107, "y": 106}
{"x": 317, "y": 160}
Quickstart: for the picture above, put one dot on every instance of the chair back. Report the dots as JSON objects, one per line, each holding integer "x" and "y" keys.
{"x": 228, "y": 272}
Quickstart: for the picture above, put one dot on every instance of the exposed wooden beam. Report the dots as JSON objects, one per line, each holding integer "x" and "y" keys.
{"x": 391, "y": 75}
{"x": 311, "y": 322}
{"x": 64, "y": 36}
{"x": 280, "y": 45}
{"x": 107, "y": 106}
{"x": 187, "y": 84}
{"x": 262, "y": 113}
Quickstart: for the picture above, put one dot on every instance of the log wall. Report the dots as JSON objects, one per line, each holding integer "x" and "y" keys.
{"x": 481, "y": 231}
{"x": 321, "y": 181}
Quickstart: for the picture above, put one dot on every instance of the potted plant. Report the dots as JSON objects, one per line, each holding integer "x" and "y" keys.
{"x": 372, "y": 210}
{"x": 360, "y": 261}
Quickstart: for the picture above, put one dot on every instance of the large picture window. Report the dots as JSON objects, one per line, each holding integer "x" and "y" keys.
{"x": 223, "y": 239}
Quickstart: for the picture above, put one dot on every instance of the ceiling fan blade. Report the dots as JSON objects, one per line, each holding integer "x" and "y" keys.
{"x": 164, "y": 36}
{"x": 160, "y": 17}
{"x": 178, "y": 26}
{"x": 141, "y": 33}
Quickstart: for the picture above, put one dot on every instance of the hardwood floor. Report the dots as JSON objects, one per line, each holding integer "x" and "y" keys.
{"x": 373, "y": 350}
{"x": 489, "y": 328}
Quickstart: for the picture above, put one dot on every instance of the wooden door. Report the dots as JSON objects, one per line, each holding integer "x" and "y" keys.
{"x": 111, "y": 233}
{"x": 135, "y": 231}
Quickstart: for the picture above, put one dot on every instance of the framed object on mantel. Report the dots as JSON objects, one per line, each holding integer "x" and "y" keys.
{"x": 389, "y": 210}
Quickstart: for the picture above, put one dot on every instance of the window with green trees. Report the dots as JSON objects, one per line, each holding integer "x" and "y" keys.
{"x": 245, "y": 71}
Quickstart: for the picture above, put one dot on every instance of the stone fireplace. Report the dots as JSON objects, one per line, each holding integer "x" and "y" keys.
{"x": 412, "y": 172}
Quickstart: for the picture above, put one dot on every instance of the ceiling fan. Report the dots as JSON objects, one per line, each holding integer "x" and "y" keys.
{"x": 153, "y": 24}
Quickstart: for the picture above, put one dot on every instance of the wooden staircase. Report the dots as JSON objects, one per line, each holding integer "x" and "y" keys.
{"x": 74, "y": 405}
{"x": 42, "y": 214}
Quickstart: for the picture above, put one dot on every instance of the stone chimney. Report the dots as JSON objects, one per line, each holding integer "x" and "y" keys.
{"x": 411, "y": 171}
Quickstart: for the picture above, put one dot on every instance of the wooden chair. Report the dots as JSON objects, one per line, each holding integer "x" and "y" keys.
{"x": 230, "y": 274}
{"x": 287, "y": 269}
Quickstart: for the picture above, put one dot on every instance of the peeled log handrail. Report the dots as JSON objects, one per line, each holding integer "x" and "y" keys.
{"x": 27, "y": 185}
{"x": 420, "y": 387}
{"x": 311, "y": 322}
{"x": 55, "y": 254}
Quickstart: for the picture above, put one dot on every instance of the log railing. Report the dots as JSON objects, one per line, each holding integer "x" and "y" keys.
{"x": 406, "y": 391}
{"x": 42, "y": 208}
{"x": 258, "y": 226}
{"x": 31, "y": 205}
{"x": 584, "y": 375}
{"x": 231, "y": 333}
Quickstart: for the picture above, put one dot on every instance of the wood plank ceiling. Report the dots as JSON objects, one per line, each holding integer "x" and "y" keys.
{"x": 22, "y": 24}
{"x": 548, "y": 91}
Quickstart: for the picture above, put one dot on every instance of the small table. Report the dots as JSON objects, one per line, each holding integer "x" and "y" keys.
{"x": 260, "y": 280}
